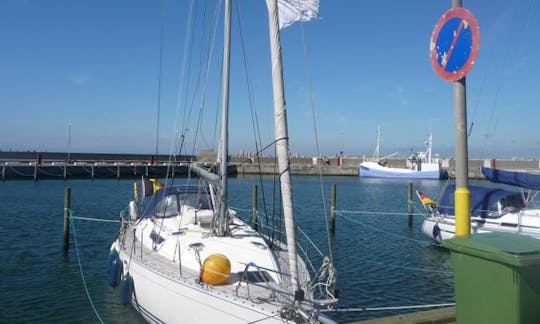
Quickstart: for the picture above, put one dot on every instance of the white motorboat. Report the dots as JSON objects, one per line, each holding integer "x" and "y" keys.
{"x": 419, "y": 166}
{"x": 492, "y": 209}
{"x": 185, "y": 257}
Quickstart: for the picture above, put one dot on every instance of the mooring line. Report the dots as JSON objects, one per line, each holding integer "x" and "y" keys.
{"x": 81, "y": 269}
{"x": 96, "y": 219}
{"x": 387, "y": 232}
{"x": 366, "y": 309}
{"x": 376, "y": 213}
{"x": 408, "y": 268}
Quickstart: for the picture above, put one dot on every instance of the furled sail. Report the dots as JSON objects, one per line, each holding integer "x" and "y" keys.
{"x": 513, "y": 178}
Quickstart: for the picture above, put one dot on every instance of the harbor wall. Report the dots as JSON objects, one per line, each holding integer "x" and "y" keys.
{"x": 33, "y": 165}
{"x": 348, "y": 166}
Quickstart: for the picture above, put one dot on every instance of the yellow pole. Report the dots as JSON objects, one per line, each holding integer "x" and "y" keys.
{"x": 462, "y": 199}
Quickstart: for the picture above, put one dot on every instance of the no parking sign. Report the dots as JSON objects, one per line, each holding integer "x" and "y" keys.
{"x": 454, "y": 44}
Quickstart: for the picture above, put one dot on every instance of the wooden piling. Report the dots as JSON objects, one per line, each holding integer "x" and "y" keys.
{"x": 117, "y": 172}
{"x": 67, "y": 206}
{"x": 333, "y": 209}
{"x": 409, "y": 203}
{"x": 65, "y": 171}
{"x": 35, "y": 171}
{"x": 255, "y": 222}
{"x": 93, "y": 173}
{"x": 3, "y": 172}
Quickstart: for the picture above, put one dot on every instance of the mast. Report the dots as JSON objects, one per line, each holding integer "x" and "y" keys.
{"x": 224, "y": 142}
{"x": 282, "y": 140}
{"x": 377, "y": 153}
{"x": 429, "y": 146}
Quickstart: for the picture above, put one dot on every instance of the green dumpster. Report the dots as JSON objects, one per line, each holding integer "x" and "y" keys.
{"x": 497, "y": 278}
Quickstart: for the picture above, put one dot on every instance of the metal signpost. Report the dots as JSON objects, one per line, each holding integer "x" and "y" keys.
{"x": 453, "y": 49}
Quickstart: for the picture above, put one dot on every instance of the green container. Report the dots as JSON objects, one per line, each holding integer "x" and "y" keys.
{"x": 497, "y": 278}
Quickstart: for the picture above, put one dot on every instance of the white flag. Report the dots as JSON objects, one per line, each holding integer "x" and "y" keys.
{"x": 291, "y": 11}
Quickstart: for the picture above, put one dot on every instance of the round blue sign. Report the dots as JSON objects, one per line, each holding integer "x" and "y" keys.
{"x": 454, "y": 44}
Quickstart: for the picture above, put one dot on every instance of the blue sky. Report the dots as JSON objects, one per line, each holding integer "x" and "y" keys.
{"x": 95, "y": 65}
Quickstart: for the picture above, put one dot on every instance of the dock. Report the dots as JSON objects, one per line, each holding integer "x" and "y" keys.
{"x": 445, "y": 315}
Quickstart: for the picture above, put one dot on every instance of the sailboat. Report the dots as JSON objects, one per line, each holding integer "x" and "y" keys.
{"x": 187, "y": 258}
{"x": 419, "y": 166}
{"x": 492, "y": 209}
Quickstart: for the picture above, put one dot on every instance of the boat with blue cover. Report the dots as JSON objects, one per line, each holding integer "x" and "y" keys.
{"x": 492, "y": 209}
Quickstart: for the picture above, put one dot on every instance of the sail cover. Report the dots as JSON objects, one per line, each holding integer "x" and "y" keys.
{"x": 485, "y": 201}
{"x": 519, "y": 179}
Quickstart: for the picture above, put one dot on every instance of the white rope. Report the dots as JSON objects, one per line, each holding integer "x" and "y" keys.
{"x": 387, "y": 232}
{"x": 96, "y": 219}
{"x": 365, "y": 309}
{"x": 375, "y": 213}
{"x": 72, "y": 224}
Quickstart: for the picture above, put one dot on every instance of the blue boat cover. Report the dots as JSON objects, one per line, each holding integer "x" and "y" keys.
{"x": 520, "y": 179}
{"x": 485, "y": 202}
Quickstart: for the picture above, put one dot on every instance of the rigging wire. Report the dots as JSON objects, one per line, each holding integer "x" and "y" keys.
{"x": 312, "y": 106}
{"x": 162, "y": 31}
{"x": 185, "y": 71}
{"x": 253, "y": 109}
{"x": 206, "y": 56}
{"x": 480, "y": 92}
{"x": 492, "y": 125}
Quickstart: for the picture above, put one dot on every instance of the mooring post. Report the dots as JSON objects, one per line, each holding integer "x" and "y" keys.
{"x": 65, "y": 171}
{"x": 93, "y": 173}
{"x": 255, "y": 222}
{"x": 409, "y": 203}
{"x": 333, "y": 209}
{"x": 67, "y": 206}
{"x": 35, "y": 171}
{"x": 3, "y": 172}
{"x": 117, "y": 172}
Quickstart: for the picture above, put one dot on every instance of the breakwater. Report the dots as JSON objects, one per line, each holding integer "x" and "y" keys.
{"x": 32, "y": 165}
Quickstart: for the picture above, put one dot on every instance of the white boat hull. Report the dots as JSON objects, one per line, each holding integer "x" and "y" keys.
{"x": 162, "y": 298}
{"x": 525, "y": 222}
{"x": 375, "y": 170}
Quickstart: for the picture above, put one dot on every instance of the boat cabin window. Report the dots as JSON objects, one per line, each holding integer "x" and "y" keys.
{"x": 168, "y": 206}
{"x": 509, "y": 204}
{"x": 171, "y": 204}
{"x": 195, "y": 200}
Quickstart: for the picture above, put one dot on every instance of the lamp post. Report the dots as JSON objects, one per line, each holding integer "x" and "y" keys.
{"x": 69, "y": 143}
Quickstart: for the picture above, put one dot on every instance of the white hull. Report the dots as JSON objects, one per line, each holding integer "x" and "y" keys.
{"x": 162, "y": 293}
{"x": 166, "y": 298}
{"x": 525, "y": 222}
{"x": 375, "y": 170}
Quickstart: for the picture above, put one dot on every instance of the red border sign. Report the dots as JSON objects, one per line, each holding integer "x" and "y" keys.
{"x": 442, "y": 45}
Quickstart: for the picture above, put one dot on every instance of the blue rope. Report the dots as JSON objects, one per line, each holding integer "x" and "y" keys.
{"x": 80, "y": 267}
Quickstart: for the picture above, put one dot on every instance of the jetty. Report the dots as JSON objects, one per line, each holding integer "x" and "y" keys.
{"x": 61, "y": 165}
{"x": 445, "y": 315}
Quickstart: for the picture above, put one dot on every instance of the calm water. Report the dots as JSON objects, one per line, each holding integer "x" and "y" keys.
{"x": 380, "y": 260}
